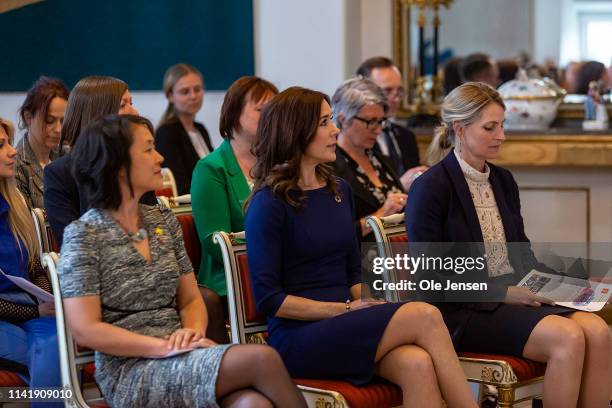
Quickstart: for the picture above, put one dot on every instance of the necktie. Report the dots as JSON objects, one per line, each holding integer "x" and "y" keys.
{"x": 394, "y": 154}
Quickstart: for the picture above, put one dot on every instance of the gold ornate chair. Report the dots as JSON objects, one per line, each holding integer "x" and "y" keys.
{"x": 515, "y": 379}
{"x": 76, "y": 362}
{"x": 169, "y": 189}
{"x": 247, "y": 326}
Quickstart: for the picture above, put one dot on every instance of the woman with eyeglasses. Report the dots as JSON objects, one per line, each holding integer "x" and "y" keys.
{"x": 359, "y": 112}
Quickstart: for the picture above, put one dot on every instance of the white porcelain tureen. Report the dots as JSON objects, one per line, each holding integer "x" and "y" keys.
{"x": 531, "y": 104}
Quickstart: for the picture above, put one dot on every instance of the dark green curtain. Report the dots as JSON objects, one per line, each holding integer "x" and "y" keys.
{"x": 134, "y": 40}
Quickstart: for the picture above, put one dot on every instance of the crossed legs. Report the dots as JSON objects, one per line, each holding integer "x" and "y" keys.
{"x": 416, "y": 353}
{"x": 254, "y": 376}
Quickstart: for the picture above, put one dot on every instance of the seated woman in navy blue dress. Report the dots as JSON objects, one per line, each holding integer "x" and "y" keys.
{"x": 464, "y": 198}
{"x": 305, "y": 263}
{"x": 130, "y": 292}
{"x": 27, "y": 327}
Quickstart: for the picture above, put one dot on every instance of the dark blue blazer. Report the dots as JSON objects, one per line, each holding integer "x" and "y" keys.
{"x": 440, "y": 209}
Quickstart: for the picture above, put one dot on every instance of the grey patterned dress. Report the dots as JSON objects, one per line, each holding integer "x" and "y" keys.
{"x": 98, "y": 259}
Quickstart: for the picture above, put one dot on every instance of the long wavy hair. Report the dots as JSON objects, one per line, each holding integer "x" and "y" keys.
{"x": 19, "y": 215}
{"x": 287, "y": 125}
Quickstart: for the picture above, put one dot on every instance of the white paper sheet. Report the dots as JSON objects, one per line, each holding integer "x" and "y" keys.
{"x": 29, "y": 287}
{"x": 580, "y": 294}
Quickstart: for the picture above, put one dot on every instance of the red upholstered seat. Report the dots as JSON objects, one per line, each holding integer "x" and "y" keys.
{"x": 100, "y": 405}
{"x": 192, "y": 242}
{"x": 248, "y": 297}
{"x": 166, "y": 192}
{"x": 10, "y": 379}
{"x": 523, "y": 369}
{"x": 398, "y": 238}
{"x": 376, "y": 394}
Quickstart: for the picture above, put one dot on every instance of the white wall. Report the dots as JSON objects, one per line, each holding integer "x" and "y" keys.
{"x": 499, "y": 28}
{"x": 547, "y": 30}
{"x": 301, "y": 42}
{"x": 376, "y": 28}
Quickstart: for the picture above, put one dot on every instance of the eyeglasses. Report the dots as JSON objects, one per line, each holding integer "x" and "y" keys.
{"x": 372, "y": 124}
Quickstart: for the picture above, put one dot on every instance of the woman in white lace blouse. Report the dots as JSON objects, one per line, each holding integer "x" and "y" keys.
{"x": 463, "y": 198}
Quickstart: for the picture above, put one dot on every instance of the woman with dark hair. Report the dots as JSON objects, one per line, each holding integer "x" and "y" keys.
{"x": 590, "y": 71}
{"x": 222, "y": 180}
{"x": 466, "y": 199}
{"x": 179, "y": 138}
{"x": 27, "y": 327}
{"x": 91, "y": 98}
{"x": 41, "y": 114}
{"x": 130, "y": 292}
{"x": 305, "y": 263}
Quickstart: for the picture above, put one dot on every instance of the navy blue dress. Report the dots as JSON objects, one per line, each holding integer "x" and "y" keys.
{"x": 313, "y": 253}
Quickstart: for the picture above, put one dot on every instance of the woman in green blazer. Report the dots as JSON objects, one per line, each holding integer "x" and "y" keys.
{"x": 221, "y": 181}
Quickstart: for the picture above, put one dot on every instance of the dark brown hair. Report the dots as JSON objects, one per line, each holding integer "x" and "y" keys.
{"x": 254, "y": 88}
{"x": 91, "y": 98}
{"x": 589, "y": 71}
{"x": 287, "y": 125}
{"x": 100, "y": 153}
{"x": 367, "y": 66}
{"x": 474, "y": 65}
{"x": 39, "y": 98}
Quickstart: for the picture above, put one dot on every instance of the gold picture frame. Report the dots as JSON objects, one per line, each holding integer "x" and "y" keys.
{"x": 402, "y": 53}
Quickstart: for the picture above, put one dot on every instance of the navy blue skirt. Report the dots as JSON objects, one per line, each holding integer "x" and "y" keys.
{"x": 338, "y": 348}
{"x": 504, "y": 330}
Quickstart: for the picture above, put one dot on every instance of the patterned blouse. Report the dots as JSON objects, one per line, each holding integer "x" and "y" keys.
{"x": 384, "y": 175}
{"x": 490, "y": 221}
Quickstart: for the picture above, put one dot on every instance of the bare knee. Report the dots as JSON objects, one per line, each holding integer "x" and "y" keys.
{"x": 596, "y": 331}
{"x": 569, "y": 342}
{"x": 416, "y": 361}
{"x": 422, "y": 314}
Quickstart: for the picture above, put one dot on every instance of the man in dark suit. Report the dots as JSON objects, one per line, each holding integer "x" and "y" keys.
{"x": 397, "y": 142}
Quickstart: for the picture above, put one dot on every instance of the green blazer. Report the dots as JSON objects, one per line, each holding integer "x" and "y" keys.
{"x": 218, "y": 191}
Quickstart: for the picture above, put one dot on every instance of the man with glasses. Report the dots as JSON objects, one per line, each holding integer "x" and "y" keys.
{"x": 397, "y": 142}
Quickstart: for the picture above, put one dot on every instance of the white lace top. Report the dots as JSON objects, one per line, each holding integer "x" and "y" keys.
{"x": 488, "y": 216}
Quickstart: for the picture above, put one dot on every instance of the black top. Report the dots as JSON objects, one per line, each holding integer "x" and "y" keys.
{"x": 65, "y": 201}
{"x": 402, "y": 138}
{"x": 368, "y": 197}
{"x": 173, "y": 142}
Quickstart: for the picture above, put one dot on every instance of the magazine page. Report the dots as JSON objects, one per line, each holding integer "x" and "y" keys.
{"x": 580, "y": 294}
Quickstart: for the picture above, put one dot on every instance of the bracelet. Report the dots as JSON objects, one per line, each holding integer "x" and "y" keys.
{"x": 348, "y": 305}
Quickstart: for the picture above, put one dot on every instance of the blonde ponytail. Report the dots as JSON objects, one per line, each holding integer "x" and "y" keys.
{"x": 463, "y": 105}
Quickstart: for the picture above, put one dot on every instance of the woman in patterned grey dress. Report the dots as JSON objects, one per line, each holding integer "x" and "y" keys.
{"x": 130, "y": 291}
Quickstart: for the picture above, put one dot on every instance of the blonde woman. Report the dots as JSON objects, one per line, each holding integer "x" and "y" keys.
{"x": 464, "y": 198}
{"x": 179, "y": 138}
{"x": 27, "y": 328}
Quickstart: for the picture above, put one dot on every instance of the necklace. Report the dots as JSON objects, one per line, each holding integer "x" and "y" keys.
{"x": 137, "y": 236}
